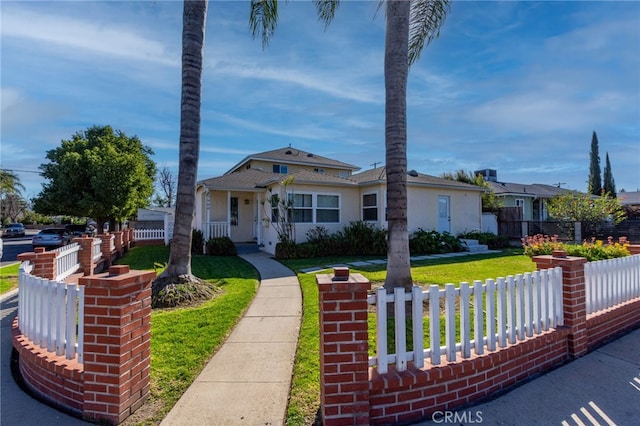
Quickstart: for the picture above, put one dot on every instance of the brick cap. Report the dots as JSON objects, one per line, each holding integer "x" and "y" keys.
{"x": 118, "y": 269}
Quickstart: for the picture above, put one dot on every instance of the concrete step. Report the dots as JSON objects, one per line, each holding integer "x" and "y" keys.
{"x": 473, "y": 246}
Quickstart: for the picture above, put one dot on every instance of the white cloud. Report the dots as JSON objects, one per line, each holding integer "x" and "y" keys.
{"x": 77, "y": 37}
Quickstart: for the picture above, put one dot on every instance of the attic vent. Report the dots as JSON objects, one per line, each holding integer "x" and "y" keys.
{"x": 288, "y": 152}
{"x": 413, "y": 173}
{"x": 309, "y": 155}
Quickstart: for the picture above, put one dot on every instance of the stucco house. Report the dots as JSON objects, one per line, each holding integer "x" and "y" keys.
{"x": 324, "y": 192}
{"x": 533, "y": 198}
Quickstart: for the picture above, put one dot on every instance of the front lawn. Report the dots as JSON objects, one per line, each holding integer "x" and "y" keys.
{"x": 305, "y": 392}
{"x": 9, "y": 277}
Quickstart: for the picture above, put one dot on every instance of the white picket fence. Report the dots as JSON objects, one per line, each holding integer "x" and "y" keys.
{"x": 67, "y": 261}
{"x": 504, "y": 311}
{"x": 148, "y": 234}
{"x": 51, "y": 314}
{"x": 611, "y": 282}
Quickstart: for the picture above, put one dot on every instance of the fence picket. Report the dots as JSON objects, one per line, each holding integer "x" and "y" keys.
{"x": 519, "y": 306}
{"x": 511, "y": 308}
{"x": 434, "y": 323}
{"x": 528, "y": 304}
{"x": 418, "y": 327}
{"x": 450, "y": 321}
{"x": 465, "y": 321}
{"x": 400, "y": 329}
{"x": 502, "y": 328}
{"x": 478, "y": 317}
{"x": 491, "y": 314}
{"x": 381, "y": 328}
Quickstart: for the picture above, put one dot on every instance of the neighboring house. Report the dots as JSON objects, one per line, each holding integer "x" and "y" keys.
{"x": 324, "y": 192}
{"x": 153, "y": 218}
{"x": 631, "y": 198}
{"x": 533, "y": 198}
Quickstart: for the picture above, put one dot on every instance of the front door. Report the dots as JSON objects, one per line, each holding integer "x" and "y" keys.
{"x": 444, "y": 214}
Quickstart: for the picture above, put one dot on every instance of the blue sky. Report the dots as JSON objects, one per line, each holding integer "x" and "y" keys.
{"x": 514, "y": 86}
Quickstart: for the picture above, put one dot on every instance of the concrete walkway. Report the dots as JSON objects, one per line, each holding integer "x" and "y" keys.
{"x": 247, "y": 381}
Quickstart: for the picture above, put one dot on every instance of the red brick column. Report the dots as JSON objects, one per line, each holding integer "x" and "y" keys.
{"x": 126, "y": 239}
{"x": 44, "y": 262}
{"x": 85, "y": 256}
{"x": 118, "y": 242}
{"x": 344, "y": 365}
{"x": 117, "y": 343}
{"x": 574, "y": 302}
{"x": 106, "y": 248}
{"x": 634, "y": 248}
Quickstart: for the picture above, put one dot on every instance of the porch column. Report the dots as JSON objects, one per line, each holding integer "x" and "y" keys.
{"x": 207, "y": 227}
{"x": 229, "y": 214}
{"x": 258, "y": 199}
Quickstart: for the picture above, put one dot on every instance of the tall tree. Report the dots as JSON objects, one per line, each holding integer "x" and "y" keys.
{"x": 178, "y": 269}
{"x": 595, "y": 179}
{"x": 10, "y": 183}
{"x": 409, "y": 26}
{"x": 98, "y": 173}
{"x": 167, "y": 183}
{"x": 609, "y": 184}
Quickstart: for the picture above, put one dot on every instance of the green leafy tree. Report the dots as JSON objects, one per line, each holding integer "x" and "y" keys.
{"x": 98, "y": 173}
{"x": 595, "y": 179}
{"x": 609, "y": 185}
{"x": 574, "y": 207}
{"x": 490, "y": 201}
{"x": 11, "y": 196}
{"x": 409, "y": 26}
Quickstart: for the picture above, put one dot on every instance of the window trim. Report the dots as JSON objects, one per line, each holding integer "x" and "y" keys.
{"x": 374, "y": 207}
{"x": 314, "y": 206}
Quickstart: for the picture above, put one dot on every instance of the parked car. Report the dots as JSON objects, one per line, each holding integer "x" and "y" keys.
{"x": 80, "y": 230}
{"x": 13, "y": 230}
{"x": 52, "y": 237}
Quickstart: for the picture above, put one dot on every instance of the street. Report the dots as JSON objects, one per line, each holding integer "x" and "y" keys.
{"x": 12, "y": 247}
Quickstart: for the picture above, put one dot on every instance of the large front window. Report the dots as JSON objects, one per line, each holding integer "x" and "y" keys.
{"x": 314, "y": 208}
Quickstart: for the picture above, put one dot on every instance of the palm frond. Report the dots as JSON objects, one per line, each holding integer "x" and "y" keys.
{"x": 427, "y": 16}
{"x": 326, "y": 10}
{"x": 263, "y": 19}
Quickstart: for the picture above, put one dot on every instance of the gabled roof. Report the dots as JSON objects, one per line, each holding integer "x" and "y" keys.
{"x": 536, "y": 190}
{"x": 379, "y": 175}
{"x": 251, "y": 179}
{"x": 292, "y": 155}
{"x": 631, "y": 198}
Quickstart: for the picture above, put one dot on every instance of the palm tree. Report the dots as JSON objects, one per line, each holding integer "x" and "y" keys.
{"x": 179, "y": 267}
{"x": 410, "y": 25}
{"x": 10, "y": 183}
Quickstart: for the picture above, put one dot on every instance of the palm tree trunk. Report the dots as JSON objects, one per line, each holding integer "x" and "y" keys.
{"x": 194, "y": 18}
{"x": 396, "y": 70}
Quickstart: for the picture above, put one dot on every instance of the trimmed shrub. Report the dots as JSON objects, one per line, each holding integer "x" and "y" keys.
{"x": 433, "y": 242}
{"x": 222, "y": 246}
{"x": 197, "y": 242}
{"x": 363, "y": 239}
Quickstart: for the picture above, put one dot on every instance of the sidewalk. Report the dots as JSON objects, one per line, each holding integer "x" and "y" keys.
{"x": 247, "y": 381}
{"x": 601, "y": 388}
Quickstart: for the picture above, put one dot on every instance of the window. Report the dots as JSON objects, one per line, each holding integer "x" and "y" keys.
{"x": 520, "y": 203}
{"x": 302, "y": 208}
{"x": 343, "y": 174}
{"x": 328, "y": 210}
{"x": 314, "y": 208}
{"x": 317, "y": 170}
{"x": 370, "y": 207}
{"x": 280, "y": 168}
{"x": 233, "y": 210}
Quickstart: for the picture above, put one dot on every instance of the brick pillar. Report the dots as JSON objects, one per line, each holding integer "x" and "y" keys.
{"x": 126, "y": 239}
{"x": 574, "y": 302}
{"x": 344, "y": 359}
{"x": 634, "y": 248}
{"x": 117, "y": 343}
{"x": 85, "y": 256}
{"x": 44, "y": 262}
{"x": 118, "y": 242}
{"x": 105, "y": 247}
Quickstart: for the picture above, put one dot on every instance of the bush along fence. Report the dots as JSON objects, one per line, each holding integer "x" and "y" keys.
{"x": 83, "y": 339}
{"x": 509, "y": 330}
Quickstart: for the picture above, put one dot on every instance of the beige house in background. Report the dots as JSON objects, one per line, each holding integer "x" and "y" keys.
{"x": 325, "y": 192}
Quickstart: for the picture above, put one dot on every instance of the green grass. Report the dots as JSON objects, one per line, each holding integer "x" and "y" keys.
{"x": 305, "y": 392}
{"x": 183, "y": 340}
{"x": 9, "y": 277}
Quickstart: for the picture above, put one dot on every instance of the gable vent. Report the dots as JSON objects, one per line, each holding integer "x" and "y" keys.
{"x": 288, "y": 152}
